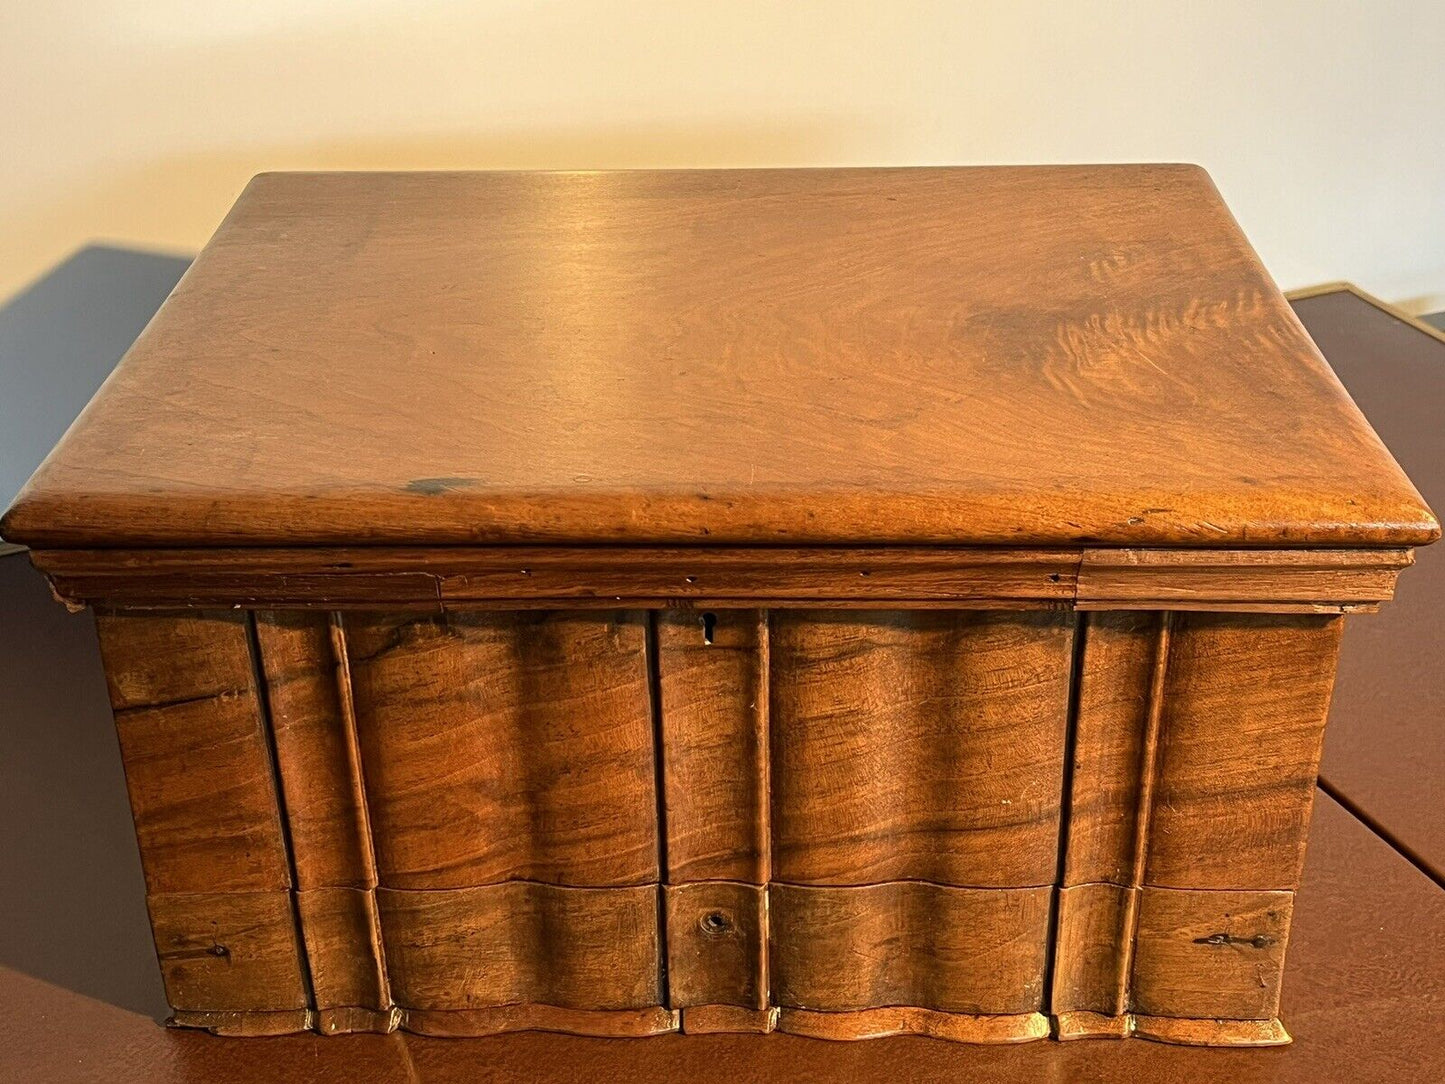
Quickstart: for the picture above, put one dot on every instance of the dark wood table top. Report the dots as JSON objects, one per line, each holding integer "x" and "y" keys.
{"x": 1385, "y": 746}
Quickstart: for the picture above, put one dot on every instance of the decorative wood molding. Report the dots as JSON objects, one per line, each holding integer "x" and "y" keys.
{"x": 1276, "y": 581}
{"x": 251, "y": 1022}
{"x": 711, "y": 1019}
{"x": 527, "y": 577}
{"x": 1185, "y": 1032}
{"x": 911, "y": 1020}
{"x": 1175, "y": 1030}
{"x": 498, "y": 1019}
{"x": 521, "y": 577}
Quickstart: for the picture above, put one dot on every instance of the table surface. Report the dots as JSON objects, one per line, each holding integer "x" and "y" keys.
{"x": 1364, "y": 994}
{"x": 1385, "y": 746}
{"x": 1364, "y": 988}
{"x": 1004, "y": 356}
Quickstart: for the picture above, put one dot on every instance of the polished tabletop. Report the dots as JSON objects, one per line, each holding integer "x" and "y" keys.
{"x": 1001, "y": 356}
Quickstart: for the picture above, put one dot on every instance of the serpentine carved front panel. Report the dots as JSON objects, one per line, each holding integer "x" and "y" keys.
{"x": 969, "y": 823}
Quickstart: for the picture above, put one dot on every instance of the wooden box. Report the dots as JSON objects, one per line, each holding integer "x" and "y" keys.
{"x": 843, "y": 602}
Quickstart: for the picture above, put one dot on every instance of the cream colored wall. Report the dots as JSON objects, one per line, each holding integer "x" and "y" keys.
{"x": 138, "y": 121}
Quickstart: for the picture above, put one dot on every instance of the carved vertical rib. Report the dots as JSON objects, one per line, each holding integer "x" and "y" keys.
{"x": 508, "y": 765}
{"x": 765, "y": 821}
{"x": 1244, "y": 715}
{"x": 1222, "y": 719}
{"x": 764, "y": 739}
{"x": 506, "y": 746}
{"x": 861, "y": 821}
{"x": 1148, "y": 780}
{"x": 1120, "y": 700}
{"x": 303, "y": 655}
{"x": 713, "y": 685}
{"x": 1119, "y": 667}
{"x": 863, "y": 753}
{"x": 1245, "y": 707}
{"x": 198, "y": 768}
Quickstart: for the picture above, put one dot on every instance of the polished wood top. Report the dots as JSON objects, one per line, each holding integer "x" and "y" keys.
{"x": 980, "y": 356}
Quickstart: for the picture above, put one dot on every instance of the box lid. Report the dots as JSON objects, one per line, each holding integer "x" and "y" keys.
{"x": 975, "y": 356}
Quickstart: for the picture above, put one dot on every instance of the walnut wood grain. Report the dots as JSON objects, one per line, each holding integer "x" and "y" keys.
{"x": 1177, "y": 1031}
{"x": 251, "y": 1023}
{"x": 715, "y": 1019}
{"x": 193, "y": 739}
{"x": 303, "y": 659}
{"x": 404, "y": 543}
{"x": 1195, "y": 750}
{"x": 1286, "y": 581}
{"x": 499, "y": 1019}
{"x": 1210, "y": 954}
{"x": 918, "y": 746}
{"x": 308, "y": 695}
{"x": 1093, "y": 950}
{"x": 348, "y": 1019}
{"x": 1115, "y": 701}
{"x": 341, "y": 930}
{"x": 1365, "y": 922}
{"x": 1189, "y": 1032}
{"x": 727, "y": 577}
{"x": 228, "y": 951}
{"x": 717, "y": 946}
{"x": 1121, "y": 675}
{"x": 513, "y": 577}
{"x": 910, "y": 1020}
{"x": 714, "y": 696}
{"x": 1244, "y": 705}
{"x": 506, "y": 746}
{"x": 1084, "y": 1024}
{"x": 835, "y": 356}
{"x": 909, "y": 943}
{"x": 523, "y": 943}
{"x": 1206, "y": 968}
{"x": 811, "y": 752}
{"x": 1199, "y": 956}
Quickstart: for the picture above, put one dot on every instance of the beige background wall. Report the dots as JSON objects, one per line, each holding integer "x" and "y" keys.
{"x": 138, "y": 121}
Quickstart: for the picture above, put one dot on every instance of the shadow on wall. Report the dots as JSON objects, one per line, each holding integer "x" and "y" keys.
{"x": 71, "y": 888}
{"x": 61, "y": 336}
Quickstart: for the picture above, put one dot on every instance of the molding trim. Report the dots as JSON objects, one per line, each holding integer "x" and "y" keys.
{"x": 530, "y": 577}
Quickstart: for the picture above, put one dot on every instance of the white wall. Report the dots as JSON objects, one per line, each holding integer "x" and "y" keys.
{"x": 138, "y": 121}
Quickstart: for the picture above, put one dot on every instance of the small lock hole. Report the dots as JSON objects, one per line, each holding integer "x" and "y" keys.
{"x": 709, "y": 623}
{"x": 715, "y": 923}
